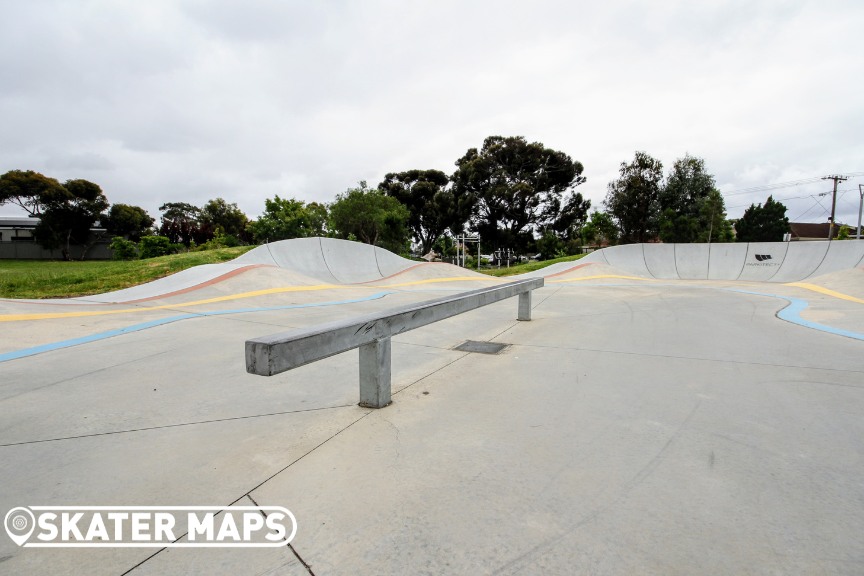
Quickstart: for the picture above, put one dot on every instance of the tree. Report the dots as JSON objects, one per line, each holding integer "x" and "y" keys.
{"x": 68, "y": 217}
{"x": 432, "y": 206}
{"x": 220, "y": 217}
{"x": 760, "y": 223}
{"x": 712, "y": 210}
{"x": 550, "y": 246}
{"x": 570, "y": 217}
{"x": 515, "y": 188}
{"x": 690, "y": 204}
{"x": 286, "y": 218}
{"x": 29, "y": 190}
{"x": 677, "y": 227}
{"x": 181, "y": 224}
{"x": 66, "y": 211}
{"x": 319, "y": 215}
{"x": 633, "y": 199}
{"x": 130, "y": 222}
{"x": 600, "y": 230}
{"x": 371, "y": 217}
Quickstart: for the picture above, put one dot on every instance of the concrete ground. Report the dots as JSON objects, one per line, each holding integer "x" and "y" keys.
{"x": 634, "y": 426}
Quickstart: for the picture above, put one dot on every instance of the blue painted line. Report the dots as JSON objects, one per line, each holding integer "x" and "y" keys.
{"x": 23, "y": 353}
{"x": 792, "y": 313}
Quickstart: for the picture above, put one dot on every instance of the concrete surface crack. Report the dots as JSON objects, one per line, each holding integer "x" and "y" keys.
{"x": 398, "y": 440}
{"x": 290, "y": 546}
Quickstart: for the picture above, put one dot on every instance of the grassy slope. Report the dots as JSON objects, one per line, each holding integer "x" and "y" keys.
{"x": 53, "y": 279}
{"x": 528, "y": 266}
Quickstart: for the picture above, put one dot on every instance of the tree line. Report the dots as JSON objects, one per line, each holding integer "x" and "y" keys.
{"x": 517, "y": 195}
{"x": 683, "y": 206}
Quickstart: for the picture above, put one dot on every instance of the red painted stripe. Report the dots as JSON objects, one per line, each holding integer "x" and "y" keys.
{"x": 210, "y": 282}
{"x": 568, "y": 270}
{"x": 398, "y": 273}
{"x": 175, "y": 293}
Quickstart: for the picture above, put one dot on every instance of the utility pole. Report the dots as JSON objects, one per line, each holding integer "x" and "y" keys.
{"x": 836, "y": 178}
{"x": 860, "y": 207}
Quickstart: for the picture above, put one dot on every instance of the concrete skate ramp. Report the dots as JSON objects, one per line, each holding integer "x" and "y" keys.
{"x": 754, "y": 261}
{"x": 329, "y": 259}
{"x": 305, "y": 261}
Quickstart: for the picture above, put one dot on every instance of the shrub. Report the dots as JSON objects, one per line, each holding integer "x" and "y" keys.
{"x": 123, "y": 249}
{"x": 843, "y": 233}
{"x": 152, "y": 246}
{"x": 218, "y": 241}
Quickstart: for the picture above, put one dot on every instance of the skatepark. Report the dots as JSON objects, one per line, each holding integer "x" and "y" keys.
{"x": 668, "y": 409}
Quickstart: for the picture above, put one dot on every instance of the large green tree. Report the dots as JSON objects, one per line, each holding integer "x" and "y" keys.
{"x": 66, "y": 211}
{"x": 370, "y": 216}
{"x": 131, "y": 222}
{"x": 432, "y": 205}
{"x": 600, "y": 230}
{"x": 692, "y": 209}
{"x": 220, "y": 217}
{"x": 633, "y": 199}
{"x": 29, "y": 190}
{"x": 763, "y": 223}
{"x": 516, "y": 188}
{"x": 67, "y": 219}
{"x": 286, "y": 218}
{"x": 567, "y": 218}
{"x": 181, "y": 224}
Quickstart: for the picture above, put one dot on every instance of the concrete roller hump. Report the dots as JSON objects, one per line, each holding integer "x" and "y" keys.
{"x": 754, "y": 261}
{"x": 334, "y": 260}
{"x": 326, "y": 260}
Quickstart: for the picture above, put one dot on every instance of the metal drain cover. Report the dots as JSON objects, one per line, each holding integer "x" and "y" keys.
{"x": 481, "y": 347}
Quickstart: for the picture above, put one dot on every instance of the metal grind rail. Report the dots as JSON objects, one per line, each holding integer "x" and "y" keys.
{"x": 276, "y": 353}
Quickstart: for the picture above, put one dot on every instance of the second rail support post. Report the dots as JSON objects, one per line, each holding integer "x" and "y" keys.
{"x": 375, "y": 373}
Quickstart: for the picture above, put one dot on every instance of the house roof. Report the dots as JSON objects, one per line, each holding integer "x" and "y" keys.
{"x": 18, "y": 221}
{"x": 812, "y": 230}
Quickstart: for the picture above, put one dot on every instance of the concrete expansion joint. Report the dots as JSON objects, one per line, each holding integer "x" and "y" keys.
{"x": 166, "y": 426}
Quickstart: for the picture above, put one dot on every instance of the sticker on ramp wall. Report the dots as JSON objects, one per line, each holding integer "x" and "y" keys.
{"x": 150, "y": 526}
{"x": 762, "y": 260}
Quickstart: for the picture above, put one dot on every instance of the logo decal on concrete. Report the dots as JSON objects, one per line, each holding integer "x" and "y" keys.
{"x": 763, "y": 257}
{"x": 150, "y": 526}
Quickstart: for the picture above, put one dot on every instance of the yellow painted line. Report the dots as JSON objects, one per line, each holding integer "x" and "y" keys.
{"x": 435, "y": 281}
{"x": 240, "y": 296}
{"x": 826, "y": 291}
{"x": 599, "y": 277}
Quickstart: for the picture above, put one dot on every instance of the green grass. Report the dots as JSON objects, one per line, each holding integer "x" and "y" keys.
{"x": 528, "y": 266}
{"x": 53, "y": 279}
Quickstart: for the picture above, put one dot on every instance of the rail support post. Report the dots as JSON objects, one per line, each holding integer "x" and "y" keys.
{"x": 524, "y": 306}
{"x": 375, "y": 373}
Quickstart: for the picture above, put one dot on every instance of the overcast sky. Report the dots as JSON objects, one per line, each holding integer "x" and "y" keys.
{"x": 187, "y": 100}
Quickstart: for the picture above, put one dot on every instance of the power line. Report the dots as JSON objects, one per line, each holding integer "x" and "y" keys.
{"x": 778, "y": 185}
{"x": 782, "y": 199}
